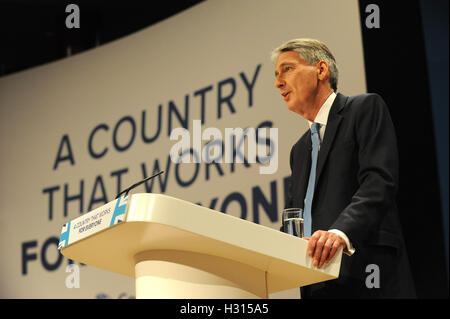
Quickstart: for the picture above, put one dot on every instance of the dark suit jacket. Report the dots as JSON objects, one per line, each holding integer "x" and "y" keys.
{"x": 355, "y": 192}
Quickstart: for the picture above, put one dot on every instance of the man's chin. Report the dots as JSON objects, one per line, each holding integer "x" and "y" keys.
{"x": 296, "y": 109}
{"x": 292, "y": 108}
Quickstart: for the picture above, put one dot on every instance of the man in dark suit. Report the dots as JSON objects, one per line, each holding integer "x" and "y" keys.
{"x": 348, "y": 187}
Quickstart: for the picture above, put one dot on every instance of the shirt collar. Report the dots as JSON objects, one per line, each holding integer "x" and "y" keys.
{"x": 322, "y": 115}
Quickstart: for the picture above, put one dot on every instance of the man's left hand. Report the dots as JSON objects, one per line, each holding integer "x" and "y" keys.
{"x": 322, "y": 246}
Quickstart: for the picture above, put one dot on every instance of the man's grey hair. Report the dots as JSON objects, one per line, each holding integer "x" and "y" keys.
{"x": 312, "y": 51}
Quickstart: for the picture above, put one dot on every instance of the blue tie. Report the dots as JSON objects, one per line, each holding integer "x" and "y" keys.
{"x": 312, "y": 179}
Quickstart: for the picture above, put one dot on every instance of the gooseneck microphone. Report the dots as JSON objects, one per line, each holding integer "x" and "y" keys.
{"x": 137, "y": 184}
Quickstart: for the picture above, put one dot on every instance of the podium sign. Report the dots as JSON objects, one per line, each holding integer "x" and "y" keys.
{"x": 96, "y": 220}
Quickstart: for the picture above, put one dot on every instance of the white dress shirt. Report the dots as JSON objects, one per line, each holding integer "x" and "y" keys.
{"x": 322, "y": 118}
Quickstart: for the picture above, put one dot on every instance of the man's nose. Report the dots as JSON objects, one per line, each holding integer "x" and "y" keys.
{"x": 279, "y": 83}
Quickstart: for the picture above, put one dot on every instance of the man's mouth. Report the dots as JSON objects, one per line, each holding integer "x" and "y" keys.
{"x": 285, "y": 95}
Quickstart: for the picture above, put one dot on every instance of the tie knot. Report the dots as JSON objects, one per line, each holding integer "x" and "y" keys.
{"x": 315, "y": 127}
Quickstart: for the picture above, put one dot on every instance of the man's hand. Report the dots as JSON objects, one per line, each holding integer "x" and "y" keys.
{"x": 322, "y": 246}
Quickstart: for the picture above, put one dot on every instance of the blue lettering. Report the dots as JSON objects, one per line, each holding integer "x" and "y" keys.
{"x": 103, "y": 199}
{"x": 47, "y": 265}
{"x": 26, "y": 256}
{"x": 130, "y": 120}
{"x": 50, "y": 191}
{"x": 235, "y": 197}
{"x": 251, "y": 85}
{"x": 173, "y": 109}
{"x": 225, "y": 99}
{"x": 68, "y": 198}
{"x": 202, "y": 92}
{"x": 59, "y": 158}
{"x": 271, "y": 208}
{"x": 91, "y": 137}
{"x": 197, "y": 168}
{"x": 158, "y": 131}
{"x": 119, "y": 173}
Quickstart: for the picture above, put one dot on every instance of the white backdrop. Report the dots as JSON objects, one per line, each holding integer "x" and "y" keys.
{"x": 76, "y": 130}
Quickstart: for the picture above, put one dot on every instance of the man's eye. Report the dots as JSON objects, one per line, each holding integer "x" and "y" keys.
{"x": 287, "y": 68}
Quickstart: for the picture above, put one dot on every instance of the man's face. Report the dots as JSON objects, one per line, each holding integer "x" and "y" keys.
{"x": 298, "y": 82}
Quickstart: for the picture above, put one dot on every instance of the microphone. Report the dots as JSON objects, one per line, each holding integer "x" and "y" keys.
{"x": 137, "y": 184}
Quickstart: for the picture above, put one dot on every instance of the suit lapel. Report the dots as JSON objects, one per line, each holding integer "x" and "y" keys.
{"x": 333, "y": 122}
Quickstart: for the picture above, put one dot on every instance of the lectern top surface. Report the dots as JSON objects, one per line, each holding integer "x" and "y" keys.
{"x": 111, "y": 236}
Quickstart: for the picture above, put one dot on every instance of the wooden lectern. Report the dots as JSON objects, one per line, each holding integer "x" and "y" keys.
{"x": 176, "y": 249}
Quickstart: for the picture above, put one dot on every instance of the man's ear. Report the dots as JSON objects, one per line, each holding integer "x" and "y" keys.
{"x": 322, "y": 70}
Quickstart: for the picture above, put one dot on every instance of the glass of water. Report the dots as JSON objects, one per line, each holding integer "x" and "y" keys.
{"x": 293, "y": 221}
